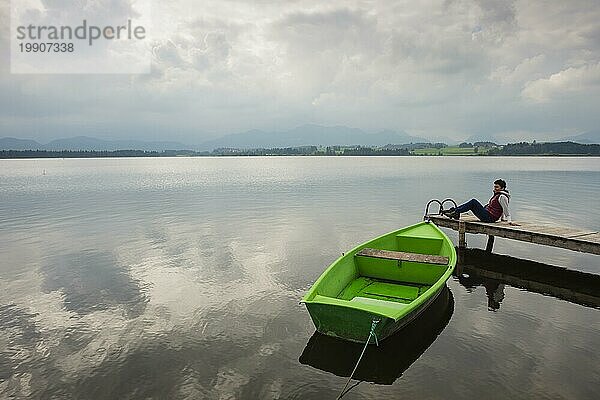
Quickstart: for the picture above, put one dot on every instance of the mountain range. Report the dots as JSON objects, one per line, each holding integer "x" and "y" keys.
{"x": 311, "y": 135}
{"x": 306, "y": 135}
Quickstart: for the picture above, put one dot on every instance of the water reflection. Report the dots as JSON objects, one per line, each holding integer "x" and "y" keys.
{"x": 91, "y": 280}
{"x": 494, "y": 271}
{"x": 19, "y": 329}
{"x": 385, "y": 363}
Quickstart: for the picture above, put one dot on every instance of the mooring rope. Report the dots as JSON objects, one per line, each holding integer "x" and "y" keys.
{"x": 372, "y": 333}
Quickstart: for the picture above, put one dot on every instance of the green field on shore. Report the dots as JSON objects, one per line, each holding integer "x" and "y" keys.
{"x": 452, "y": 151}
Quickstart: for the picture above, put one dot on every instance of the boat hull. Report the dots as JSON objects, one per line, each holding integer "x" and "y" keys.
{"x": 385, "y": 363}
{"x": 355, "y": 325}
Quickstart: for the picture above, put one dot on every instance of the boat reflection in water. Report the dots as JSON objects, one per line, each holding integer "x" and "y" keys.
{"x": 493, "y": 271}
{"x": 385, "y": 363}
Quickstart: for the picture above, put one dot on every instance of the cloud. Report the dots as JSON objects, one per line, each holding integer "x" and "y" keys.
{"x": 92, "y": 281}
{"x": 455, "y": 68}
{"x": 568, "y": 83}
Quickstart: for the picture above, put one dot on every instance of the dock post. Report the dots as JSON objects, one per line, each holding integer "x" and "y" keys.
{"x": 462, "y": 237}
{"x": 490, "y": 244}
{"x": 461, "y": 260}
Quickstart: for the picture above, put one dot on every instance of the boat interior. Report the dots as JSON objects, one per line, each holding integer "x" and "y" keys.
{"x": 389, "y": 272}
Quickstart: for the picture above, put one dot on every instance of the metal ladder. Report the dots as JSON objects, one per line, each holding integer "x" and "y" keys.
{"x": 440, "y": 210}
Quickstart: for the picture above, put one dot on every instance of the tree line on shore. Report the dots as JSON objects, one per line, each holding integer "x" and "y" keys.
{"x": 552, "y": 148}
{"x": 513, "y": 149}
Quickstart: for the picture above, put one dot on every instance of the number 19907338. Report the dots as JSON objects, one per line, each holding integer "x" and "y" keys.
{"x": 46, "y": 47}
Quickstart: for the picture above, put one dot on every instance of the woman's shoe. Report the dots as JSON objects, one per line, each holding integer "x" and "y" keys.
{"x": 451, "y": 213}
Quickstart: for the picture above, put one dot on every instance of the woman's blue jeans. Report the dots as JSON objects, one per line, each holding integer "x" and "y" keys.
{"x": 479, "y": 211}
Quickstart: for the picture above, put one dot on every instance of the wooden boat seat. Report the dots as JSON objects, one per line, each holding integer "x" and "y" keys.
{"x": 379, "y": 303}
{"x": 363, "y": 303}
{"x": 403, "y": 256}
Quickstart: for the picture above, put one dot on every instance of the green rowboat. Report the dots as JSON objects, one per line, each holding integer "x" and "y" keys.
{"x": 390, "y": 279}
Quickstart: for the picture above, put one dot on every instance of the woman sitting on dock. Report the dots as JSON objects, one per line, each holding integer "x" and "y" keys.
{"x": 496, "y": 209}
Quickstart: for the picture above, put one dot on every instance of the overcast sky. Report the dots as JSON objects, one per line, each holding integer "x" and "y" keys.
{"x": 514, "y": 69}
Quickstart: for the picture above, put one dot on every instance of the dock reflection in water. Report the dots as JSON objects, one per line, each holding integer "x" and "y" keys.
{"x": 385, "y": 363}
{"x": 494, "y": 271}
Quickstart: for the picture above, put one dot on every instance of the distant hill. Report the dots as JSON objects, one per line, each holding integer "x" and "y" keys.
{"x": 497, "y": 139}
{"x": 89, "y": 143}
{"x": 310, "y": 135}
{"x": 9, "y": 143}
{"x": 590, "y": 137}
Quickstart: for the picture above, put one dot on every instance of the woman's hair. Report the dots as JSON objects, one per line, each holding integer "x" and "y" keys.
{"x": 500, "y": 182}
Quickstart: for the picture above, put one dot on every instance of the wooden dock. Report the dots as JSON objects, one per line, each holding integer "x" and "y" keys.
{"x": 585, "y": 241}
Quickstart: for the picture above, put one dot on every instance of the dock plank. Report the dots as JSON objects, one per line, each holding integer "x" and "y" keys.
{"x": 584, "y": 234}
{"x": 593, "y": 238}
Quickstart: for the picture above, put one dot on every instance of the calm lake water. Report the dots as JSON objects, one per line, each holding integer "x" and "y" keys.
{"x": 180, "y": 278}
